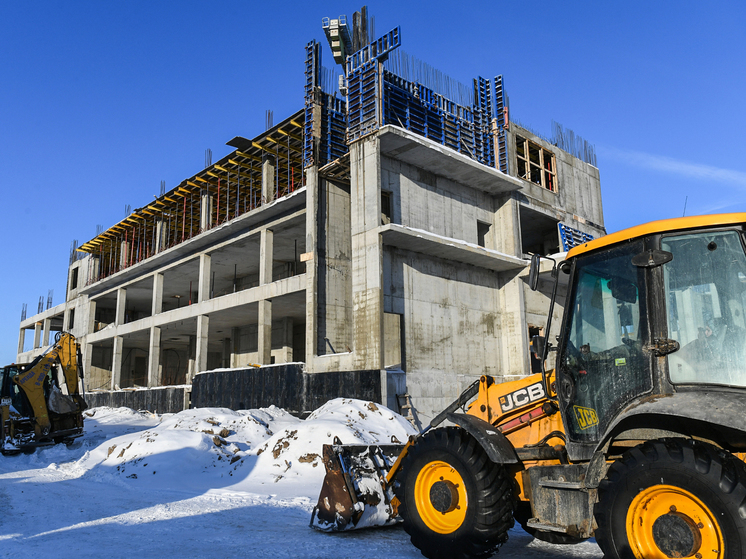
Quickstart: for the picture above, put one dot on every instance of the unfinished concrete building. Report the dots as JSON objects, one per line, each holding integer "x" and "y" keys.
{"x": 383, "y": 227}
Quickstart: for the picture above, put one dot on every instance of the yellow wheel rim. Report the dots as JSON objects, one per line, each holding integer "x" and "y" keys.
{"x": 666, "y": 521}
{"x": 441, "y": 497}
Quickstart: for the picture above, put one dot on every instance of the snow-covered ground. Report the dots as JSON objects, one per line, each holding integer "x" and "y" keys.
{"x": 202, "y": 483}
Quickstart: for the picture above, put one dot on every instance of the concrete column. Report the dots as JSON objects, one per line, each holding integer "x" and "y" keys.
{"x": 37, "y": 335}
{"x": 154, "y": 357}
{"x": 226, "y": 353}
{"x": 312, "y": 220}
{"x": 21, "y": 340}
{"x": 268, "y": 178}
{"x": 205, "y": 211}
{"x": 264, "y": 342}
{"x": 507, "y": 227}
{"x": 116, "y": 363}
{"x": 47, "y": 326}
{"x": 124, "y": 255}
{"x": 191, "y": 364}
{"x": 367, "y": 246}
{"x": 157, "y": 294}
{"x": 95, "y": 269}
{"x": 513, "y": 331}
{"x": 87, "y": 362}
{"x": 204, "y": 277}
{"x": 266, "y": 251}
{"x": 203, "y": 331}
{"x": 91, "y": 326}
{"x": 235, "y": 346}
{"x": 121, "y": 306}
{"x": 286, "y": 355}
{"x": 158, "y": 237}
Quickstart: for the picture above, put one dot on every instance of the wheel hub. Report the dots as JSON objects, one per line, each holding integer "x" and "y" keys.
{"x": 440, "y": 496}
{"x": 676, "y": 535}
{"x": 444, "y": 496}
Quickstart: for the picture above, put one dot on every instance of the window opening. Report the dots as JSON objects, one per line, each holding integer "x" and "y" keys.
{"x": 536, "y": 164}
{"x": 386, "y": 207}
{"x": 483, "y": 230}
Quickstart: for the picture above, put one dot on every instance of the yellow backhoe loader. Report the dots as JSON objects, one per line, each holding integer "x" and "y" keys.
{"x": 41, "y": 403}
{"x": 636, "y": 437}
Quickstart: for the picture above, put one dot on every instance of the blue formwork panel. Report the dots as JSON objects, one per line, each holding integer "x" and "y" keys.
{"x": 377, "y": 50}
{"x": 571, "y": 237}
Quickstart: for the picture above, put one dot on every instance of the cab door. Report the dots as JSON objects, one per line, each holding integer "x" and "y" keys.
{"x": 602, "y": 364}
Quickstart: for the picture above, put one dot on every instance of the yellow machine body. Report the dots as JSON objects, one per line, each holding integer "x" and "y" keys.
{"x": 42, "y": 401}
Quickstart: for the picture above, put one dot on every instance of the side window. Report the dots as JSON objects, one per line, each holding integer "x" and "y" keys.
{"x": 705, "y": 285}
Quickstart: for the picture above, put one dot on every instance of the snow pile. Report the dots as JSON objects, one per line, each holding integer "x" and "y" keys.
{"x": 213, "y": 448}
{"x": 202, "y": 483}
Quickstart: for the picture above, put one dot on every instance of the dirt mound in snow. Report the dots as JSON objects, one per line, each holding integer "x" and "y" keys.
{"x": 216, "y": 447}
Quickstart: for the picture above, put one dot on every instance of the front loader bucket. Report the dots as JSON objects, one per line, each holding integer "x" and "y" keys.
{"x": 354, "y": 493}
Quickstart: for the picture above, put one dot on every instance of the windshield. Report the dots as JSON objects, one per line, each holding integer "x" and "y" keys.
{"x": 603, "y": 366}
{"x": 706, "y": 298}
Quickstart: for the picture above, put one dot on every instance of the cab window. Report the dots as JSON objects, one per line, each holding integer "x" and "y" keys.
{"x": 705, "y": 285}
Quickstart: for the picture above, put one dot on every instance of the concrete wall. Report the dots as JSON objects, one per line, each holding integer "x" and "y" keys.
{"x": 172, "y": 399}
{"x": 451, "y": 324}
{"x": 422, "y": 200}
{"x": 286, "y": 386}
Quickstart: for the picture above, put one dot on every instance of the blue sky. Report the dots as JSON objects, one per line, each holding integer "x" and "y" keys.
{"x": 100, "y": 101}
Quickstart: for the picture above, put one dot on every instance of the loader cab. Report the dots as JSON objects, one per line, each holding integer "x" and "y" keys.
{"x": 653, "y": 315}
{"x": 10, "y": 391}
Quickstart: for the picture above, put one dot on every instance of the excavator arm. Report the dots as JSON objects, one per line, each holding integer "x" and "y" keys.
{"x": 64, "y": 353}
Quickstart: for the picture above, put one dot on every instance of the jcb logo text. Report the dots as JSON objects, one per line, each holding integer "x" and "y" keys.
{"x": 521, "y": 397}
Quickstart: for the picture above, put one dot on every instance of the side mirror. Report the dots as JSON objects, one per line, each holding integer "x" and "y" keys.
{"x": 533, "y": 272}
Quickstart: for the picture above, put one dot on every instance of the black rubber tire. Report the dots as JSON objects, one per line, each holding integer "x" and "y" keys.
{"x": 713, "y": 476}
{"x": 523, "y": 514}
{"x": 489, "y": 513}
